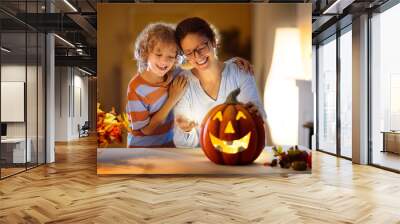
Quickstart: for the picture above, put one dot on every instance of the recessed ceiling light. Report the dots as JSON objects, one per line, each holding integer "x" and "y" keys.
{"x": 84, "y": 71}
{"x": 70, "y": 5}
{"x": 337, "y": 7}
{"x": 64, "y": 40}
{"x": 5, "y": 50}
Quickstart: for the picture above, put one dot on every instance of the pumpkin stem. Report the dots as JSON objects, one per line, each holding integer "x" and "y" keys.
{"x": 232, "y": 97}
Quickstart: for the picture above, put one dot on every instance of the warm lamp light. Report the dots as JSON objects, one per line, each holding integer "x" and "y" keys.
{"x": 286, "y": 59}
{"x": 281, "y": 96}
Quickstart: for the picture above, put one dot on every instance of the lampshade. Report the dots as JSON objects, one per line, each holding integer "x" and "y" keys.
{"x": 286, "y": 58}
{"x": 281, "y": 96}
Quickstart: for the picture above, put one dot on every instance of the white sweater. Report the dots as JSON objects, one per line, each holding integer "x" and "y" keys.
{"x": 195, "y": 103}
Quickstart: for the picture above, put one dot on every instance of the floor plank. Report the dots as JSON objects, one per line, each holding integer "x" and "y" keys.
{"x": 69, "y": 191}
{"x": 386, "y": 159}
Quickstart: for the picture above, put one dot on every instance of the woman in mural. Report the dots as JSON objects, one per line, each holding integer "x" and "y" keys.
{"x": 155, "y": 89}
{"x": 209, "y": 81}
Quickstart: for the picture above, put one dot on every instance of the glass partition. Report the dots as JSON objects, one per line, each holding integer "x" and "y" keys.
{"x": 327, "y": 95}
{"x": 385, "y": 89}
{"x": 22, "y": 88}
{"x": 14, "y": 153}
{"x": 346, "y": 93}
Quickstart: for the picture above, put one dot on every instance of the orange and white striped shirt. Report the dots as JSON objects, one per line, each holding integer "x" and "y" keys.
{"x": 145, "y": 99}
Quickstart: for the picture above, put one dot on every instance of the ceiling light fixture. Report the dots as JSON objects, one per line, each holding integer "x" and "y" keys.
{"x": 84, "y": 71}
{"x": 70, "y": 5}
{"x": 337, "y": 7}
{"x": 64, "y": 40}
{"x": 79, "y": 51}
{"x": 5, "y": 50}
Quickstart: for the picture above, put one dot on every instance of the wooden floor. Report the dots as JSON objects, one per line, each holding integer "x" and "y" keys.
{"x": 387, "y": 159}
{"x": 69, "y": 191}
{"x": 10, "y": 171}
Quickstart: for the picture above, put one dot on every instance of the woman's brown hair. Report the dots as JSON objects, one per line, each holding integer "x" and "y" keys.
{"x": 198, "y": 26}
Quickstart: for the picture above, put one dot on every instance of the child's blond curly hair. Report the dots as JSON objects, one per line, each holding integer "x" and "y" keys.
{"x": 147, "y": 39}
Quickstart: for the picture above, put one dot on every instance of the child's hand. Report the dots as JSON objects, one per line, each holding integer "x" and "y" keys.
{"x": 244, "y": 65}
{"x": 177, "y": 88}
{"x": 184, "y": 123}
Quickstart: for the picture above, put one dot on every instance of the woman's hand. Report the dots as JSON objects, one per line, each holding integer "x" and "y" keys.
{"x": 184, "y": 123}
{"x": 177, "y": 88}
{"x": 244, "y": 65}
{"x": 252, "y": 108}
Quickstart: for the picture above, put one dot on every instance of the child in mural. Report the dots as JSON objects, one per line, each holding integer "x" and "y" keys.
{"x": 153, "y": 91}
{"x": 156, "y": 88}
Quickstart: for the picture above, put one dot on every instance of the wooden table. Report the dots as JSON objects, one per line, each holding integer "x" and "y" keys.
{"x": 177, "y": 161}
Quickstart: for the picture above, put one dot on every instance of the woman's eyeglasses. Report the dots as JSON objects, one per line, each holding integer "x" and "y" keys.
{"x": 200, "y": 50}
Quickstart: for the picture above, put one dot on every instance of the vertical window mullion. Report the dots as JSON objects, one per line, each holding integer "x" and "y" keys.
{"x": 26, "y": 87}
{"x": 37, "y": 92}
{"x": 338, "y": 91}
{"x": 369, "y": 90}
{"x": 317, "y": 97}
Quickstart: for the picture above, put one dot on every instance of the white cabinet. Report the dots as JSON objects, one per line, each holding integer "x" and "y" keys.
{"x": 16, "y": 147}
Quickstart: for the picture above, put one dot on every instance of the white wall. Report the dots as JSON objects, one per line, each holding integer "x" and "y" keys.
{"x": 79, "y": 117}
{"x": 61, "y": 103}
{"x": 306, "y": 110}
{"x": 71, "y": 93}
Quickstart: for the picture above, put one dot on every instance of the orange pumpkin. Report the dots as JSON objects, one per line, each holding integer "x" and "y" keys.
{"x": 230, "y": 134}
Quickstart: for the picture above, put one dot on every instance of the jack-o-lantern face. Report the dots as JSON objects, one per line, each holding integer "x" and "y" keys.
{"x": 231, "y": 135}
{"x": 232, "y": 146}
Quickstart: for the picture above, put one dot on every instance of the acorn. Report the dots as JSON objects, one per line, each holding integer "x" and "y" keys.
{"x": 274, "y": 162}
{"x": 299, "y": 165}
{"x": 284, "y": 162}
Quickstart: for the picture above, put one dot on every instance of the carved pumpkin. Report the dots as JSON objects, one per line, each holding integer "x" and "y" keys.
{"x": 230, "y": 134}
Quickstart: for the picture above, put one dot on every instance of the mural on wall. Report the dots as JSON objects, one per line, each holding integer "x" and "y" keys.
{"x": 186, "y": 91}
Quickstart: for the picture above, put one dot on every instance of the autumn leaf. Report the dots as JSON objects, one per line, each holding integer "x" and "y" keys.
{"x": 110, "y": 126}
